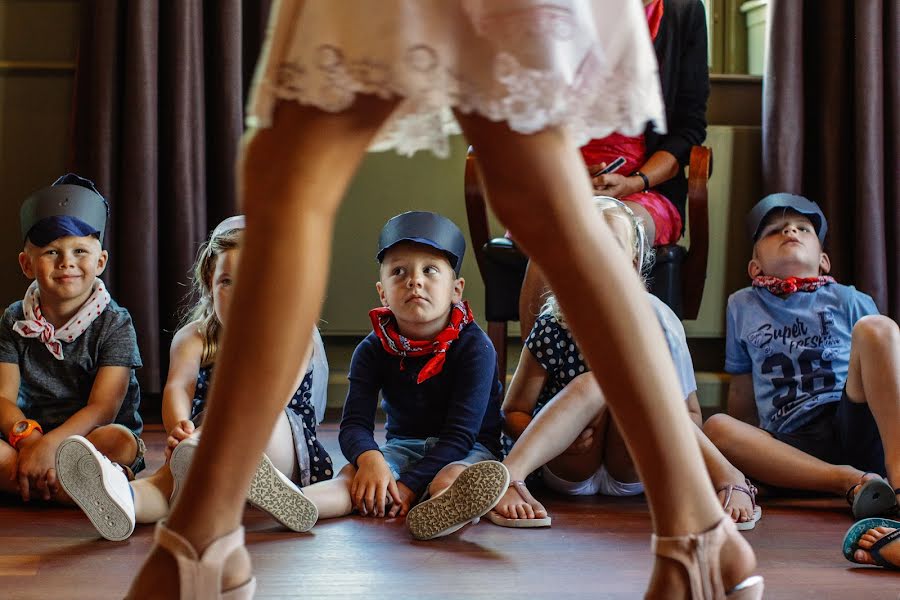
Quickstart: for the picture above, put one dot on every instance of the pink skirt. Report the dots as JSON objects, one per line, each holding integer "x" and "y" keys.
{"x": 585, "y": 65}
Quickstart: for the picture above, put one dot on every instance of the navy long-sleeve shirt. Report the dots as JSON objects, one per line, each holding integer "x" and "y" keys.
{"x": 460, "y": 405}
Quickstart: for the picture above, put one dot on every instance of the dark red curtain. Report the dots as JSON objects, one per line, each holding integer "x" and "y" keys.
{"x": 831, "y": 130}
{"x": 157, "y": 119}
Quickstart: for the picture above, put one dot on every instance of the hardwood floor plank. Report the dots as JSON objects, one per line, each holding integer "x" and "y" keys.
{"x": 597, "y": 548}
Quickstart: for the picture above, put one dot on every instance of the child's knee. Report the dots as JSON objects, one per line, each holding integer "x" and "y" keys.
{"x": 114, "y": 439}
{"x": 718, "y": 428}
{"x": 445, "y": 477}
{"x": 8, "y": 460}
{"x": 876, "y": 332}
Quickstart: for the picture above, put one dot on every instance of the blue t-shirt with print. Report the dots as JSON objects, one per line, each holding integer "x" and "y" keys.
{"x": 797, "y": 348}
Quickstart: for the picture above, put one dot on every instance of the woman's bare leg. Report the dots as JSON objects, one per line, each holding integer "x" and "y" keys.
{"x": 604, "y": 302}
{"x": 293, "y": 177}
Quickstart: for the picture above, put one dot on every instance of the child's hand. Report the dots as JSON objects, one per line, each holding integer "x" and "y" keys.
{"x": 407, "y": 497}
{"x": 372, "y": 484}
{"x": 36, "y": 468}
{"x": 181, "y": 431}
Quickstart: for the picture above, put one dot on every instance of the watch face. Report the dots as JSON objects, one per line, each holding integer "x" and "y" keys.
{"x": 20, "y": 427}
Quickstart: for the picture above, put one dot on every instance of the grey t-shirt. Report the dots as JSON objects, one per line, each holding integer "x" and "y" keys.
{"x": 53, "y": 390}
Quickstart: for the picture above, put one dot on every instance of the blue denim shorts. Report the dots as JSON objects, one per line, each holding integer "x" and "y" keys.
{"x": 402, "y": 454}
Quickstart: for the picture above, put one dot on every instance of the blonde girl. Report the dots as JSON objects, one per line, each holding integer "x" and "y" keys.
{"x": 559, "y": 415}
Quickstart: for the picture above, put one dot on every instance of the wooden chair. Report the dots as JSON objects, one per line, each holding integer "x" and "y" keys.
{"x": 677, "y": 278}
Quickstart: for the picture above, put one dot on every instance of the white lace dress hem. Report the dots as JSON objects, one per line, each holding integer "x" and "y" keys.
{"x": 585, "y": 65}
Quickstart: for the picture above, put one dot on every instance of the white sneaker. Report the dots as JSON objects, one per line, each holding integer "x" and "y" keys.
{"x": 180, "y": 462}
{"x": 97, "y": 485}
{"x": 270, "y": 490}
{"x": 274, "y": 492}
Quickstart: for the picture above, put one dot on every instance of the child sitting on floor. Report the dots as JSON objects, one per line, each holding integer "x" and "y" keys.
{"x": 815, "y": 390}
{"x": 559, "y": 416}
{"x": 437, "y": 373}
{"x": 292, "y": 456}
{"x": 67, "y": 351}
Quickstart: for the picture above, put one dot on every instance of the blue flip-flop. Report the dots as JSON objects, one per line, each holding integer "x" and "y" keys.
{"x": 851, "y": 540}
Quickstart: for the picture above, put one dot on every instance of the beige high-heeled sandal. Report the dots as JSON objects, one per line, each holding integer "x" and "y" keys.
{"x": 200, "y": 576}
{"x": 698, "y": 553}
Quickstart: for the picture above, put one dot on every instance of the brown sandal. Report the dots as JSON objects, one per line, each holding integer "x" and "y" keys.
{"x": 698, "y": 553}
{"x": 751, "y": 491}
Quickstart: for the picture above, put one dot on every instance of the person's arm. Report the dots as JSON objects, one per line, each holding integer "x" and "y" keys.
{"x": 185, "y": 356}
{"x": 10, "y": 414}
{"x": 522, "y": 396}
{"x": 475, "y": 374}
{"x": 685, "y": 117}
{"x": 741, "y": 400}
{"x": 693, "y": 406}
{"x": 357, "y": 429}
{"x": 660, "y": 167}
{"x": 373, "y": 482}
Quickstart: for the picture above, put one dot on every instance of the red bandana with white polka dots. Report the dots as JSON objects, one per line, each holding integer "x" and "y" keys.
{"x": 36, "y": 326}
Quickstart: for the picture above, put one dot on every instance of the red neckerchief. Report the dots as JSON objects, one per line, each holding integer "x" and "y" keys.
{"x": 654, "y": 17}
{"x": 781, "y": 287}
{"x": 385, "y": 326}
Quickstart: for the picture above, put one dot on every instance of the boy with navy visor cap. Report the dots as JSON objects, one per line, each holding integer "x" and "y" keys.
{"x": 436, "y": 371}
{"x": 67, "y": 352}
{"x": 814, "y": 400}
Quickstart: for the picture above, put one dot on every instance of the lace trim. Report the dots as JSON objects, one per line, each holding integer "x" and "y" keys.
{"x": 595, "y": 104}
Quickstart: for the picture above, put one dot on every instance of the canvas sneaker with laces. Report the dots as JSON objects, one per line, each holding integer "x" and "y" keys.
{"x": 99, "y": 487}
{"x": 270, "y": 490}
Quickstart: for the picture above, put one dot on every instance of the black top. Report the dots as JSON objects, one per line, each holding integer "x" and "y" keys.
{"x": 681, "y": 49}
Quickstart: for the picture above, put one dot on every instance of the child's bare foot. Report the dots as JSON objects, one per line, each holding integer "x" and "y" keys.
{"x": 736, "y": 561}
{"x": 890, "y": 552}
{"x": 738, "y": 499}
{"x": 158, "y": 577}
{"x": 516, "y": 505}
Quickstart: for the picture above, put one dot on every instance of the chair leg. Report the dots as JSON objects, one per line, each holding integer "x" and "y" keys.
{"x": 497, "y": 333}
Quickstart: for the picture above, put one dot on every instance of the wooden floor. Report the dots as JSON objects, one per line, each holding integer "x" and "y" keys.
{"x": 597, "y": 548}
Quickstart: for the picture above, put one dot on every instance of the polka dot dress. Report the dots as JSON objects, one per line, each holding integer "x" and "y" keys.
{"x": 551, "y": 344}
{"x": 320, "y": 467}
{"x": 553, "y": 347}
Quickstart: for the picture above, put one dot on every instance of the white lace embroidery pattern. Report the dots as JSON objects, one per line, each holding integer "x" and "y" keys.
{"x": 592, "y": 100}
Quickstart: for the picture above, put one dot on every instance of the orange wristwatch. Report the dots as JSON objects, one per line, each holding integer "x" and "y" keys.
{"x": 21, "y": 430}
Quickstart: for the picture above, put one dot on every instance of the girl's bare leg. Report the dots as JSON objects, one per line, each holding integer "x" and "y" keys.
{"x": 605, "y": 305}
{"x": 293, "y": 177}
{"x": 332, "y": 498}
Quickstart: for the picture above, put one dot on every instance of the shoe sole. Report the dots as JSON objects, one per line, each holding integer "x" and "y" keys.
{"x": 81, "y": 476}
{"x": 179, "y": 464}
{"x": 477, "y": 490}
{"x": 274, "y": 493}
{"x": 874, "y": 498}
